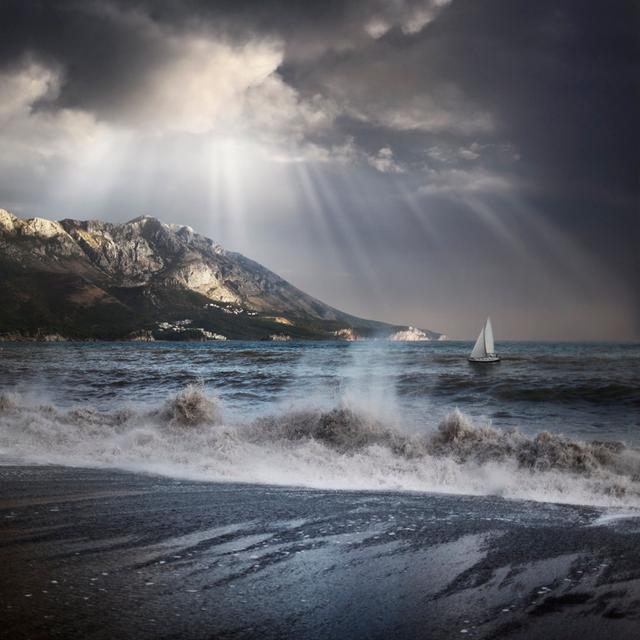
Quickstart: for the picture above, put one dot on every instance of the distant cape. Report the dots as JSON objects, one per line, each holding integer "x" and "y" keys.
{"x": 147, "y": 280}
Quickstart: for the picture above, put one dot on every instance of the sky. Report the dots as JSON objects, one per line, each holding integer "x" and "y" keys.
{"x": 423, "y": 162}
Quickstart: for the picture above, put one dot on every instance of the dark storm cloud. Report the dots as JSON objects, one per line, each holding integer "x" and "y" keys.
{"x": 555, "y": 79}
{"x": 447, "y": 114}
{"x": 562, "y": 77}
{"x": 104, "y": 48}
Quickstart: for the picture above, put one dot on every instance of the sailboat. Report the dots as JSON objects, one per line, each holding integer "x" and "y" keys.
{"x": 483, "y": 350}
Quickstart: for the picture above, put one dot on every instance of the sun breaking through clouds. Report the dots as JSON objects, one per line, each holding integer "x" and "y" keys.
{"x": 421, "y": 162}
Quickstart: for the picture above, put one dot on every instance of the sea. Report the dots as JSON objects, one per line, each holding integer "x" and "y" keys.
{"x": 552, "y": 422}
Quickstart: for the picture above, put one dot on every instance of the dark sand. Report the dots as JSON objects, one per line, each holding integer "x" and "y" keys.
{"x": 102, "y": 554}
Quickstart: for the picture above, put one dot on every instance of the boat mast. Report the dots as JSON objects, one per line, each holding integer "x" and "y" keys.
{"x": 484, "y": 336}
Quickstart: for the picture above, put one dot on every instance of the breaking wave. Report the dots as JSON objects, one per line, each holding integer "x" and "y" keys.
{"x": 342, "y": 448}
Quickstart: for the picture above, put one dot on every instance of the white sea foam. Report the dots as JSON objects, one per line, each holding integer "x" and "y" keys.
{"x": 340, "y": 448}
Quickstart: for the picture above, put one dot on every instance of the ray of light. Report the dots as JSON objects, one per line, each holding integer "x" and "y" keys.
{"x": 345, "y": 231}
{"x": 312, "y": 205}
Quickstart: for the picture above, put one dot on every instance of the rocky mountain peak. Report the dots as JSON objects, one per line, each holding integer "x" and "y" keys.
{"x": 147, "y": 266}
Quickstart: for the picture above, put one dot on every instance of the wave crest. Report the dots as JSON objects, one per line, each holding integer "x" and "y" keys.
{"x": 459, "y": 438}
{"x": 191, "y": 407}
{"x": 339, "y": 449}
{"x": 342, "y": 429}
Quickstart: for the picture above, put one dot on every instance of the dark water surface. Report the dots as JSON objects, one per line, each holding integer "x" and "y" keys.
{"x": 584, "y": 390}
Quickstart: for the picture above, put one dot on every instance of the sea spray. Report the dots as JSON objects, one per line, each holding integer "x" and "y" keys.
{"x": 459, "y": 438}
{"x": 192, "y": 407}
{"x": 339, "y": 448}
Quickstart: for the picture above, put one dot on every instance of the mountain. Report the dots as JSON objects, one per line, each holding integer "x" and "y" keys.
{"x": 143, "y": 279}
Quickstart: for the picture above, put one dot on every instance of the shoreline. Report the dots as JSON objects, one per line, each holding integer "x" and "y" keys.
{"x": 92, "y": 553}
{"x": 599, "y": 510}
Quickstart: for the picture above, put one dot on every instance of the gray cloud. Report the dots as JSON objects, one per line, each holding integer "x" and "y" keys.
{"x": 442, "y": 159}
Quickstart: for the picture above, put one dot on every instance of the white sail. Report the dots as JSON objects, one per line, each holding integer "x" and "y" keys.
{"x": 479, "y": 348}
{"x": 488, "y": 337}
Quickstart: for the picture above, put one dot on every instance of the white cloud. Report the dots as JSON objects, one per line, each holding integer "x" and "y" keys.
{"x": 439, "y": 153}
{"x": 460, "y": 181}
{"x": 385, "y": 162}
{"x": 202, "y": 85}
{"x": 472, "y": 152}
{"x": 275, "y": 111}
{"x": 20, "y": 88}
{"x": 344, "y": 152}
{"x": 377, "y": 26}
{"x": 29, "y": 135}
{"x": 204, "y": 82}
{"x": 443, "y": 113}
{"x": 436, "y": 108}
{"x": 207, "y": 85}
{"x": 411, "y": 18}
{"x": 419, "y": 17}
{"x": 253, "y": 103}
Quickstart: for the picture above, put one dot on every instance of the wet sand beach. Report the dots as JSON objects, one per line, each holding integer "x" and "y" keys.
{"x": 108, "y": 554}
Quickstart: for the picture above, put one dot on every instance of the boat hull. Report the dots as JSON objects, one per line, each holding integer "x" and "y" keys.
{"x": 484, "y": 360}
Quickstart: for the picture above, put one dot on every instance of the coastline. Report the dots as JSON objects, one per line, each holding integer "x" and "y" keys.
{"x": 96, "y": 554}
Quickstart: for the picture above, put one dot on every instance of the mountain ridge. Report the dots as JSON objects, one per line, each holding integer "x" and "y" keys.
{"x": 93, "y": 279}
